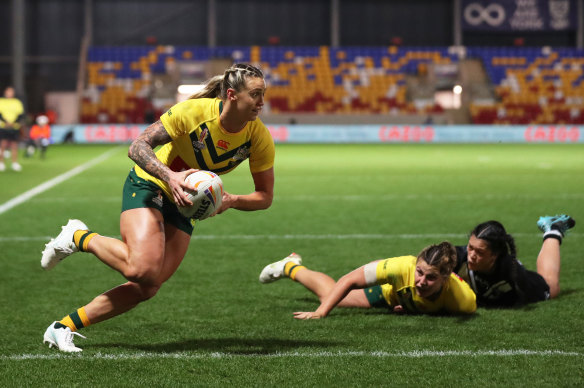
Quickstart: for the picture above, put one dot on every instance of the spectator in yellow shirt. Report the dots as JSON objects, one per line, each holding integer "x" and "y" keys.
{"x": 11, "y": 115}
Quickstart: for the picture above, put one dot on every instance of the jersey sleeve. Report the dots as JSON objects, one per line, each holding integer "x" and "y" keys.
{"x": 460, "y": 299}
{"x": 176, "y": 119}
{"x": 20, "y": 111}
{"x": 394, "y": 270}
{"x": 263, "y": 150}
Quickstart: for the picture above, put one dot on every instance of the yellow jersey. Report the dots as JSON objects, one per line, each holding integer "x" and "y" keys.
{"x": 199, "y": 141}
{"x": 396, "y": 277}
{"x": 11, "y": 110}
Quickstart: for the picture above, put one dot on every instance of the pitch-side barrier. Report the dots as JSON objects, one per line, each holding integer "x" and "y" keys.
{"x": 125, "y": 133}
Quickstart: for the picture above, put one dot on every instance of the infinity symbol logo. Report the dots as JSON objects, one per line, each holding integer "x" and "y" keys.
{"x": 493, "y": 14}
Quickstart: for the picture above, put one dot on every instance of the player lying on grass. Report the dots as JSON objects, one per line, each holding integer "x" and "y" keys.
{"x": 423, "y": 284}
{"x": 214, "y": 130}
{"x": 489, "y": 264}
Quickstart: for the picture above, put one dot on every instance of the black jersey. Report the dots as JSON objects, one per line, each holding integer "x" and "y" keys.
{"x": 509, "y": 283}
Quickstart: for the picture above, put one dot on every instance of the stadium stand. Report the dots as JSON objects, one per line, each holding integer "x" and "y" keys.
{"x": 530, "y": 85}
{"x": 301, "y": 79}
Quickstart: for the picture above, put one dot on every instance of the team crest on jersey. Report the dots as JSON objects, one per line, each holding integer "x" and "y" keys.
{"x": 241, "y": 154}
{"x": 158, "y": 199}
{"x": 200, "y": 144}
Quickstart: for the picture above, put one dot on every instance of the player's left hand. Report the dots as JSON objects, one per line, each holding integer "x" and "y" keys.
{"x": 307, "y": 315}
{"x": 227, "y": 202}
{"x": 399, "y": 309}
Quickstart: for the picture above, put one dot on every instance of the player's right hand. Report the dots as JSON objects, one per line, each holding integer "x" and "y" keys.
{"x": 177, "y": 185}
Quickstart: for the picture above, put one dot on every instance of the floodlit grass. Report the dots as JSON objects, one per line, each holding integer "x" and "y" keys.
{"x": 339, "y": 206}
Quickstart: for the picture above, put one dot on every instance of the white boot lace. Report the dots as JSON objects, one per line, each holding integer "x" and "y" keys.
{"x": 69, "y": 337}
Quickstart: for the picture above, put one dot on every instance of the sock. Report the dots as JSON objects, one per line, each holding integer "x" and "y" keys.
{"x": 75, "y": 321}
{"x": 291, "y": 268}
{"x": 553, "y": 234}
{"x": 81, "y": 238}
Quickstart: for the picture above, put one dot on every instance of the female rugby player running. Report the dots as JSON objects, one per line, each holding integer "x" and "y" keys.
{"x": 214, "y": 130}
{"x": 423, "y": 284}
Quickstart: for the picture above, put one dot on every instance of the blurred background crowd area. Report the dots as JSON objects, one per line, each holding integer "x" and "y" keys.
{"x": 325, "y": 61}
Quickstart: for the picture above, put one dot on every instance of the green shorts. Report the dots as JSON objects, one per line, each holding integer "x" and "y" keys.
{"x": 375, "y": 296}
{"x": 139, "y": 193}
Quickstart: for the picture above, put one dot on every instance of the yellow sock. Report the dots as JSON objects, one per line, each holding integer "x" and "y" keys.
{"x": 77, "y": 320}
{"x": 81, "y": 238}
{"x": 291, "y": 268}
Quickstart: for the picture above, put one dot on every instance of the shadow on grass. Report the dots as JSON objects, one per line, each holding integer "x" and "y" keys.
{"x": 569, "y": 291}
{"x": 536, "y": 305}
{"x": 227, "y": 345}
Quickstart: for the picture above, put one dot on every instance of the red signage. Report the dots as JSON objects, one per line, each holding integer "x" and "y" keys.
{"x": 111, "y": 133}
{"x": 406, "y": 133}
{"x": 552, "y": 134}
{"x": 279, "y": 133}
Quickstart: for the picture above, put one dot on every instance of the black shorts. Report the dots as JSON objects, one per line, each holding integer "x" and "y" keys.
{"x": 139, "y": 193}
{"x": 537, "y": 289}
{"x": 9, "y": 134}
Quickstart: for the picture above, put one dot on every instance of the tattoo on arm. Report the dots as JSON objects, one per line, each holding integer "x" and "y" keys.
{"x": 142, "y": 150}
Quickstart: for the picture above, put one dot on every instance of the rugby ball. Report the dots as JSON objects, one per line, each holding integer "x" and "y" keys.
{"x": 208, "y": 196}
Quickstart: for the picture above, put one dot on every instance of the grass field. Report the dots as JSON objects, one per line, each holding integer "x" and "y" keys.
{"x": 339, "y": 206}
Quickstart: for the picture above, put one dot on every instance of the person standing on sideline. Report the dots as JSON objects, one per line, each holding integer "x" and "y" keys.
{"x": 40, "y": 136}
{"x": 11, "y": 115}
{"x": 216, "y": 130}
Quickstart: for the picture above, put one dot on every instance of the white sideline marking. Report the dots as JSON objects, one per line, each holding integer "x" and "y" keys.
{"x": 55, "y": 181}
{"x": 305, "y": 236}
{"x": 368, "y": 197}
{"x": 416, "y": 196}
{"x": 221, "y": 355}
{"x": 85, "y": 198}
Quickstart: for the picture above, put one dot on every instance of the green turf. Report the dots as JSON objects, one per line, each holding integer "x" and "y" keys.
{"x": 339, "y": 206}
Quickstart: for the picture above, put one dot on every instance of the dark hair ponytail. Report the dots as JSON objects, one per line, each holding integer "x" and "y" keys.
{"x": 498, "y": 240}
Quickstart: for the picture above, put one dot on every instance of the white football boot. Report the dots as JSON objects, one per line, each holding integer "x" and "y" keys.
{"x": 275, "y": 271}
{"x": 61, "y": 246}
{"x": 16, "y": 166}
{"x": 61, "y": 338}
